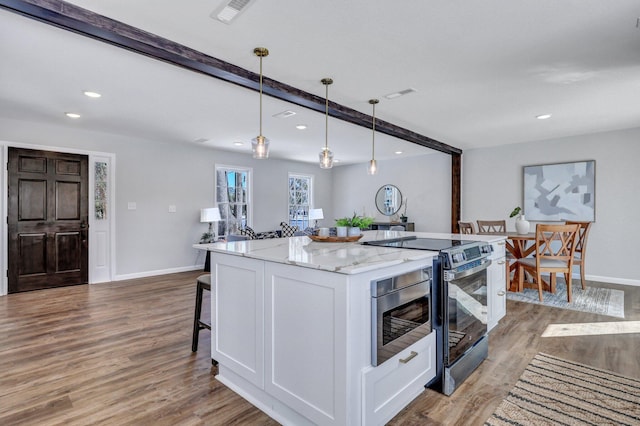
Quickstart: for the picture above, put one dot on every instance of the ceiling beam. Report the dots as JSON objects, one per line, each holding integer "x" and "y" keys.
{"x": 82, "y": 21}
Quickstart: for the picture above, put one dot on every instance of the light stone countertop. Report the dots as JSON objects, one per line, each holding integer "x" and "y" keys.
{"x": 344, "y": 258}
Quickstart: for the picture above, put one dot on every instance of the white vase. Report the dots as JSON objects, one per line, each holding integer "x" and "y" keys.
{"x": 354, "y": 231}
{"x": 522, "y": 225}
{"x": 341, "y": 231}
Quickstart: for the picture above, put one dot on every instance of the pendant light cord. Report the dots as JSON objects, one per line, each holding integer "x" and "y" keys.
{"x": 326, "y": 114}
{"x": 260, "y": 95}
{"x": 373, "y": 137}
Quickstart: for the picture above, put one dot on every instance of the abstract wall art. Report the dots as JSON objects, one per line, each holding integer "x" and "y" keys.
{"x": 561, "y": 191}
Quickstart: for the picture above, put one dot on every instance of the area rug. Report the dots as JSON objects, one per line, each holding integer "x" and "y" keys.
{"x": 603, "y": 301}
{"x": 553, "y": 391}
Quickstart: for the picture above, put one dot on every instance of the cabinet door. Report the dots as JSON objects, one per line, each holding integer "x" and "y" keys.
{"x": 237, "y": 311}
{"x": 306, "y": 341}
{"x": 496, "y": 285}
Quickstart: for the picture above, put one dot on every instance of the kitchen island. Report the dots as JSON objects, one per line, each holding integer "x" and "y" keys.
{"x": 292, "y": 328}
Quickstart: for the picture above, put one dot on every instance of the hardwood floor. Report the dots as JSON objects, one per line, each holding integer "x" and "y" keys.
{"x": 120, "y": 353}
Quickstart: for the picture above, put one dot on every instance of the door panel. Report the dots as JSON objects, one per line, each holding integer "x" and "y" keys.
{"x": 48, "y": 217}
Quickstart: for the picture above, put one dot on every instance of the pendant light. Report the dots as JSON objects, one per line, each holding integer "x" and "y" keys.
{"x": 373, "y": 167}
{"x": 326, "y": 156}
{"x": 260, "y": 145}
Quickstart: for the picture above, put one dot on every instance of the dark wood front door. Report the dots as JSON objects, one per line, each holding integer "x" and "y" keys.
{"x": 48, "y": 219}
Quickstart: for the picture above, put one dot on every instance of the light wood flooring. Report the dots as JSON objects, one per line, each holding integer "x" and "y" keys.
{"x": 120, "y": 354}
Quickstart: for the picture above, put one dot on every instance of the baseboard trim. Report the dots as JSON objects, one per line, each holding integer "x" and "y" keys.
{"x": 158, "y": 272}
{"x": 611, "y": 280}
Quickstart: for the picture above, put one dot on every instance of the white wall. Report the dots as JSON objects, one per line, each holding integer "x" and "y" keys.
{"x": 492, "y": 187}
{"x": 155, "y": 175}
{"x": 424, "y": 181}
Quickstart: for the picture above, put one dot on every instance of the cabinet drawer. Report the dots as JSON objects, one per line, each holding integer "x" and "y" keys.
{"x": 499, "y": 248}
{"x": 390, "y": 386}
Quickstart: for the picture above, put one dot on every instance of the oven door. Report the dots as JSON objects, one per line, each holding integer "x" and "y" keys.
{"x": 466, "y": 311}
{"x": 399, "y": 319}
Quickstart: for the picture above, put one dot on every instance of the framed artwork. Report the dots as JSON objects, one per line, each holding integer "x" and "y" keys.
{"x": 561, "y": 191}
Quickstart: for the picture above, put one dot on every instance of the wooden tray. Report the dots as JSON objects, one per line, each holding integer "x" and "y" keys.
{"x": 334, "y": 239}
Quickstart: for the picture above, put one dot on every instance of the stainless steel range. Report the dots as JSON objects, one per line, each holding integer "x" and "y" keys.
{"x": 459, "y": 305}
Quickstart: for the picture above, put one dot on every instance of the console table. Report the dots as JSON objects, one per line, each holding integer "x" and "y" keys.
{"x": 408, "y": 226}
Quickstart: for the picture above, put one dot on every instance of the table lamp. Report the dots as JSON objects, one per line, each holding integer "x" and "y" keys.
{"x": 315, "y": 214}
{"x": 210, "y": 215}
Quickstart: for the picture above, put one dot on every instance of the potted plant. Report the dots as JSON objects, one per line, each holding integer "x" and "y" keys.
{"x": 403, "y": 216}
{"x": 522, "y": 225}
{"x": 353, "y": 224}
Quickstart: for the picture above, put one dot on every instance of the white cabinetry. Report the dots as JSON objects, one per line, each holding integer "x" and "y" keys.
{"x": 296, "y": 343}
{"x": 496, "y": 285}
{"x": 407, "y": 372}
{"x": 238, "y": 319}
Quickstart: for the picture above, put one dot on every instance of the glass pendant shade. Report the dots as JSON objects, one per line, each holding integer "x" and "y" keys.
{"x": 373, "y": 167}
{"x": 326, "y": 159}
{"x": 260, "y": 147}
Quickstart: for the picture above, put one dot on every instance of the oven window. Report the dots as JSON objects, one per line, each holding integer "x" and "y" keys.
{"x": 467, "y": 313}
{"x": 401, "y": 320}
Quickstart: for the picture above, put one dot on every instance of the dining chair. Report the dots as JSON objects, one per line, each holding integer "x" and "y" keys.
{"x": 581, "y": 247}
{"x": 492, "y": 226}
{"x": 466, "y": 227}
{"x": 555, "y": 247}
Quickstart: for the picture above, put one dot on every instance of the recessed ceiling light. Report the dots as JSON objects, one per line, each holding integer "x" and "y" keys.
{"x": 72, "y": 115}
{"x": 92, "y": 94}
{"x": 543, "y": 116}
{"x": 399, "y": 93}
{"x": 238, "y": 143}
{"x": 398, "y": 152}
{"x": 301, "y": 126}
{"x": 284, "y": 114}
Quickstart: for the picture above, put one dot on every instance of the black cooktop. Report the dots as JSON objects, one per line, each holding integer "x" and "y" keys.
{"x": 416, "y": 243}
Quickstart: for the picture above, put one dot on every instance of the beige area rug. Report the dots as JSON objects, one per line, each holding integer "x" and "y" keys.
{"x": 553, "y": 391}
{"x": 603, "y": 301}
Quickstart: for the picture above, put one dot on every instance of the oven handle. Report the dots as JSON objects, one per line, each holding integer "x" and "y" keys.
{"x": 453, "y": 275}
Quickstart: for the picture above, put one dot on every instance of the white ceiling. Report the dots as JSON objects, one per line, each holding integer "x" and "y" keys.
{"x": 482, "y": 72}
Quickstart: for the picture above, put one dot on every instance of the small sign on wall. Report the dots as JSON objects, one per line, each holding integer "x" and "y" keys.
{"x": 561, "y": 191}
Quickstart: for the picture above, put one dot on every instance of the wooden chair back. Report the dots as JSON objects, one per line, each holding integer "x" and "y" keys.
{"x": 581, "y": 248}
{"x": 555, "y": 243}
{"x": 583, "y": 234}
{"x": 466, "y": 227}
{"x": 492, "y": 226}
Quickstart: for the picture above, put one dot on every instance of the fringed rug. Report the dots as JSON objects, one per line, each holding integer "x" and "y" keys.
{"x": 603, "y": 301}
{"x": 553, "y": 391}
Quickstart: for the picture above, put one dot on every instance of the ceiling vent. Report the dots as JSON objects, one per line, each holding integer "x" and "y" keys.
{"x": 230, "y": 9}
{"x": 399, "y": 93}
{"x": 284, "y": 114}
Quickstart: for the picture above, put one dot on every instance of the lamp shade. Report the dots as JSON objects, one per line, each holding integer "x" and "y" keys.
{"x": 316, "y": 214}
{"x": 211, "y": 214}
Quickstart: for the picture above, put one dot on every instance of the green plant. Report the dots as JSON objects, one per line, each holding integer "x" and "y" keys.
{"x": 515, "y": 211}
{"x": 362, "y": 222}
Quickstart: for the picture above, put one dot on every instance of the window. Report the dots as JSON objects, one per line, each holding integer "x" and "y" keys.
{"x": 100, "y": 190}
{"x": 300, "y": 196}
{"x": 232, "y": 198}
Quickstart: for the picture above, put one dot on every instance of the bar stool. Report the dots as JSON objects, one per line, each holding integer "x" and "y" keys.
{"x": 203, "y": 283}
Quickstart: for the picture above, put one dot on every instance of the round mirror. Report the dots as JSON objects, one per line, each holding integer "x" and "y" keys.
{"x": 388, "y": 200}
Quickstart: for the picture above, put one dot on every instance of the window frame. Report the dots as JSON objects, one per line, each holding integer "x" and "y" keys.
{"x": 304, "y": 222}
{"x": 223, "y": 225}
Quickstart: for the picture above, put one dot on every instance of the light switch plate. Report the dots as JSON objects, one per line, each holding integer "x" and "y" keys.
{"x": 131, "y": 205}
{"x": 172, "y": 208}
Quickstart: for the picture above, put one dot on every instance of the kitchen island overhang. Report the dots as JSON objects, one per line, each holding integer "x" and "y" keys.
{"x": 291, "y": 328}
